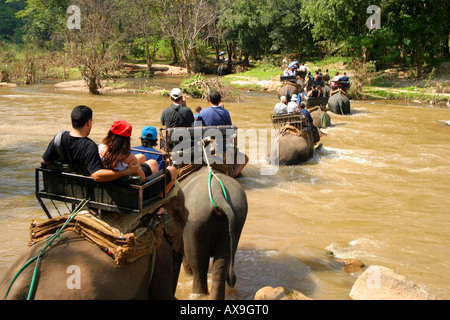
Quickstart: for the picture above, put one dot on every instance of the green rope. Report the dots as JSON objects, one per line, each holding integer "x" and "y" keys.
{"x": 326, "y": 121}
{"x": 42, "y": 251}
{"x": 209, "y": 189}
{"x": 210, "y": 178}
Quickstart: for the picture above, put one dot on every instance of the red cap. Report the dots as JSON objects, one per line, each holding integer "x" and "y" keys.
{"x": 121, "y": 128}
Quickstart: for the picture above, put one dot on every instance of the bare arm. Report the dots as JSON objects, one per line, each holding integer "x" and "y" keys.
{"x": 105, "y": 175}
{"x": 132, "y": 160}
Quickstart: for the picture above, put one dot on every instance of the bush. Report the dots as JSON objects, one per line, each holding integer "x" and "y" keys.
{"x": 194, "y": 86}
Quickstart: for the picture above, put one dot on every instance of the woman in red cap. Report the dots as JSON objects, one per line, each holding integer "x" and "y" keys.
{"x": 115, "y": 151}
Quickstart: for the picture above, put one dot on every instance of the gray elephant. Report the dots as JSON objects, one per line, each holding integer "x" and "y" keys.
{"x": 288, "y": 89}
{"x": 339, "y": 103}
{"x": 99, "y": 276}
{"x": 288, "y": 148}
{"x": 213, "y": 229}
{"x": 321, "y": 118}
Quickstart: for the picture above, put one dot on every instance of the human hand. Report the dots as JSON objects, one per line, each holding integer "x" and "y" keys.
{"x": 133, "y": 169}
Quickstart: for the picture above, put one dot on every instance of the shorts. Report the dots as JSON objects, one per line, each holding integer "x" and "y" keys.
{"x": 146, "y": 168}
{"x": 148, "y": 172}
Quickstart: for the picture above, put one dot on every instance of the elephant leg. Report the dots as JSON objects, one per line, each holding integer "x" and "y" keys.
{"x": 220, "y": 271}
{"x": 187, "y": 267}
{"x": 198, "y": 264}
{"x": 178, "y": 260}
{"x": 161, "y": 286}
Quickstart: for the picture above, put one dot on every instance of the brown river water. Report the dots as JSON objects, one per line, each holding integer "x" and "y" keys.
{"x": 377, "y": 191}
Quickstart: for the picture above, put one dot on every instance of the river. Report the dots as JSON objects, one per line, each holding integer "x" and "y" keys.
{"x": 378, "y": 190}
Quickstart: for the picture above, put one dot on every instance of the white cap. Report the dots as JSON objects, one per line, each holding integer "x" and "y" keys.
{"x": 283, "y": 99}
{"x": 294, "y": 97}
{"x": 176, "y": 93}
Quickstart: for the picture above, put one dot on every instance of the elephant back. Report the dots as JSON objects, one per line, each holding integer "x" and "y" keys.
{"x": 288, "y": 89}
{"x": 339, "y": 103}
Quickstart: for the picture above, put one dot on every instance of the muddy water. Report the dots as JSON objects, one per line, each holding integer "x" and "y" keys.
{"x": 377, "y": 191}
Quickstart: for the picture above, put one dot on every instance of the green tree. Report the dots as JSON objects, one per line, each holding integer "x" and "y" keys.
{"x": 96, "y": 47}
{"x": 144, "y": 26}
{"x": 412, "y": 31}
{"x": 266, "y": 27}
{"x": 188, "y": 23}
{"x": 243, "y": 23}
{"x": 10, "y": 25}
{"x": 44, "y": 21}
{"x": 418, "y": 30}
{"x": 336, "y": 23}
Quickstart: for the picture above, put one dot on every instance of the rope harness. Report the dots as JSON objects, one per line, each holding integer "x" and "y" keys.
{"x": 211, "y": 174}
{"x": 50, "y": 241}
{"x": 326, "y": 121}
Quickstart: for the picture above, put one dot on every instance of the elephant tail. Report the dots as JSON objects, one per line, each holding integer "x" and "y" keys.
{"x": 222, "y": 208}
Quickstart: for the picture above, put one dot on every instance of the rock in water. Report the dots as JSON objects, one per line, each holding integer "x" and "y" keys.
{"x": 279, "y": 293}
{"x": 381, "y": 283}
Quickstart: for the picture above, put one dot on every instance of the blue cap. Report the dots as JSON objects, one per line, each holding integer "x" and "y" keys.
{"x": 149, "y": 133}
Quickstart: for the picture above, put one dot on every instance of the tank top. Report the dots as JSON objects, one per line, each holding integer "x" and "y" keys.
{"x": 119, "y": 166}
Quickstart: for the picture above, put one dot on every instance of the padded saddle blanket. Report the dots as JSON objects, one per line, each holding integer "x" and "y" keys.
{"x": 122, "y": 247}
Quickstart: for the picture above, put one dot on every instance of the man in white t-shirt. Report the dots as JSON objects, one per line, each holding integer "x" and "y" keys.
{"x": 281, "y": 107}
{"x": 292, "y": 105}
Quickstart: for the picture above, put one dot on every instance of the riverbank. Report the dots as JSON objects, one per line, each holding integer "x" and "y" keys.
{"x": 390, "y": 84}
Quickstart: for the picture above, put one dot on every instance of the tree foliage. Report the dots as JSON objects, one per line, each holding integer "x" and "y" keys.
{"x": 412, "y": 32}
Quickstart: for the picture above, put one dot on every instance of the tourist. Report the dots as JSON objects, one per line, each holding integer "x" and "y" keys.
{"x": 115, "y": 152}
{"x": 292, "y": 105}
{"x": 344, "y": 77}
{"x": 281, "y": 107}
{"x": 302, "y": 68}
{"x": 318, "y": 76}
{"x": 313, "y": 92}
{"x": 197, "y": 111}
{"x": 177, "y": 114}
{"x": 306, "y": 112}
{"x": 215, "y": 115}
{"x": 326, "y": 76}
{"x": 149, "y": 139}
{"x": 75, "y": 147}
{"x": 320, "y": 92}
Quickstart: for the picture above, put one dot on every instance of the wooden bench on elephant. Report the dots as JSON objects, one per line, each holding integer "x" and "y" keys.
{"x": 185, "y": 145}
{"x": 127, "y": 196}
{"x": 337, "y": 84}
{"x": 316, "y": 101}
{"x": 295, "y": 119}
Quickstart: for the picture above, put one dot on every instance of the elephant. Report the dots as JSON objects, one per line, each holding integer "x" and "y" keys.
{"x": 321, "y": 118}
{"x": 212, "y": 230}
{"x": 339, "y": 103}
{"x": 290, "y": 149}
{"x": 100, "y": 277}
{"x": 287, "y": 89}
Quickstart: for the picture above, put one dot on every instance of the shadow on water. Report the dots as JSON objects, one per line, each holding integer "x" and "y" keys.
{"x": 267, "y": 265}
{"x": 298, "y": 274}
{"x": 354, "y": 111}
